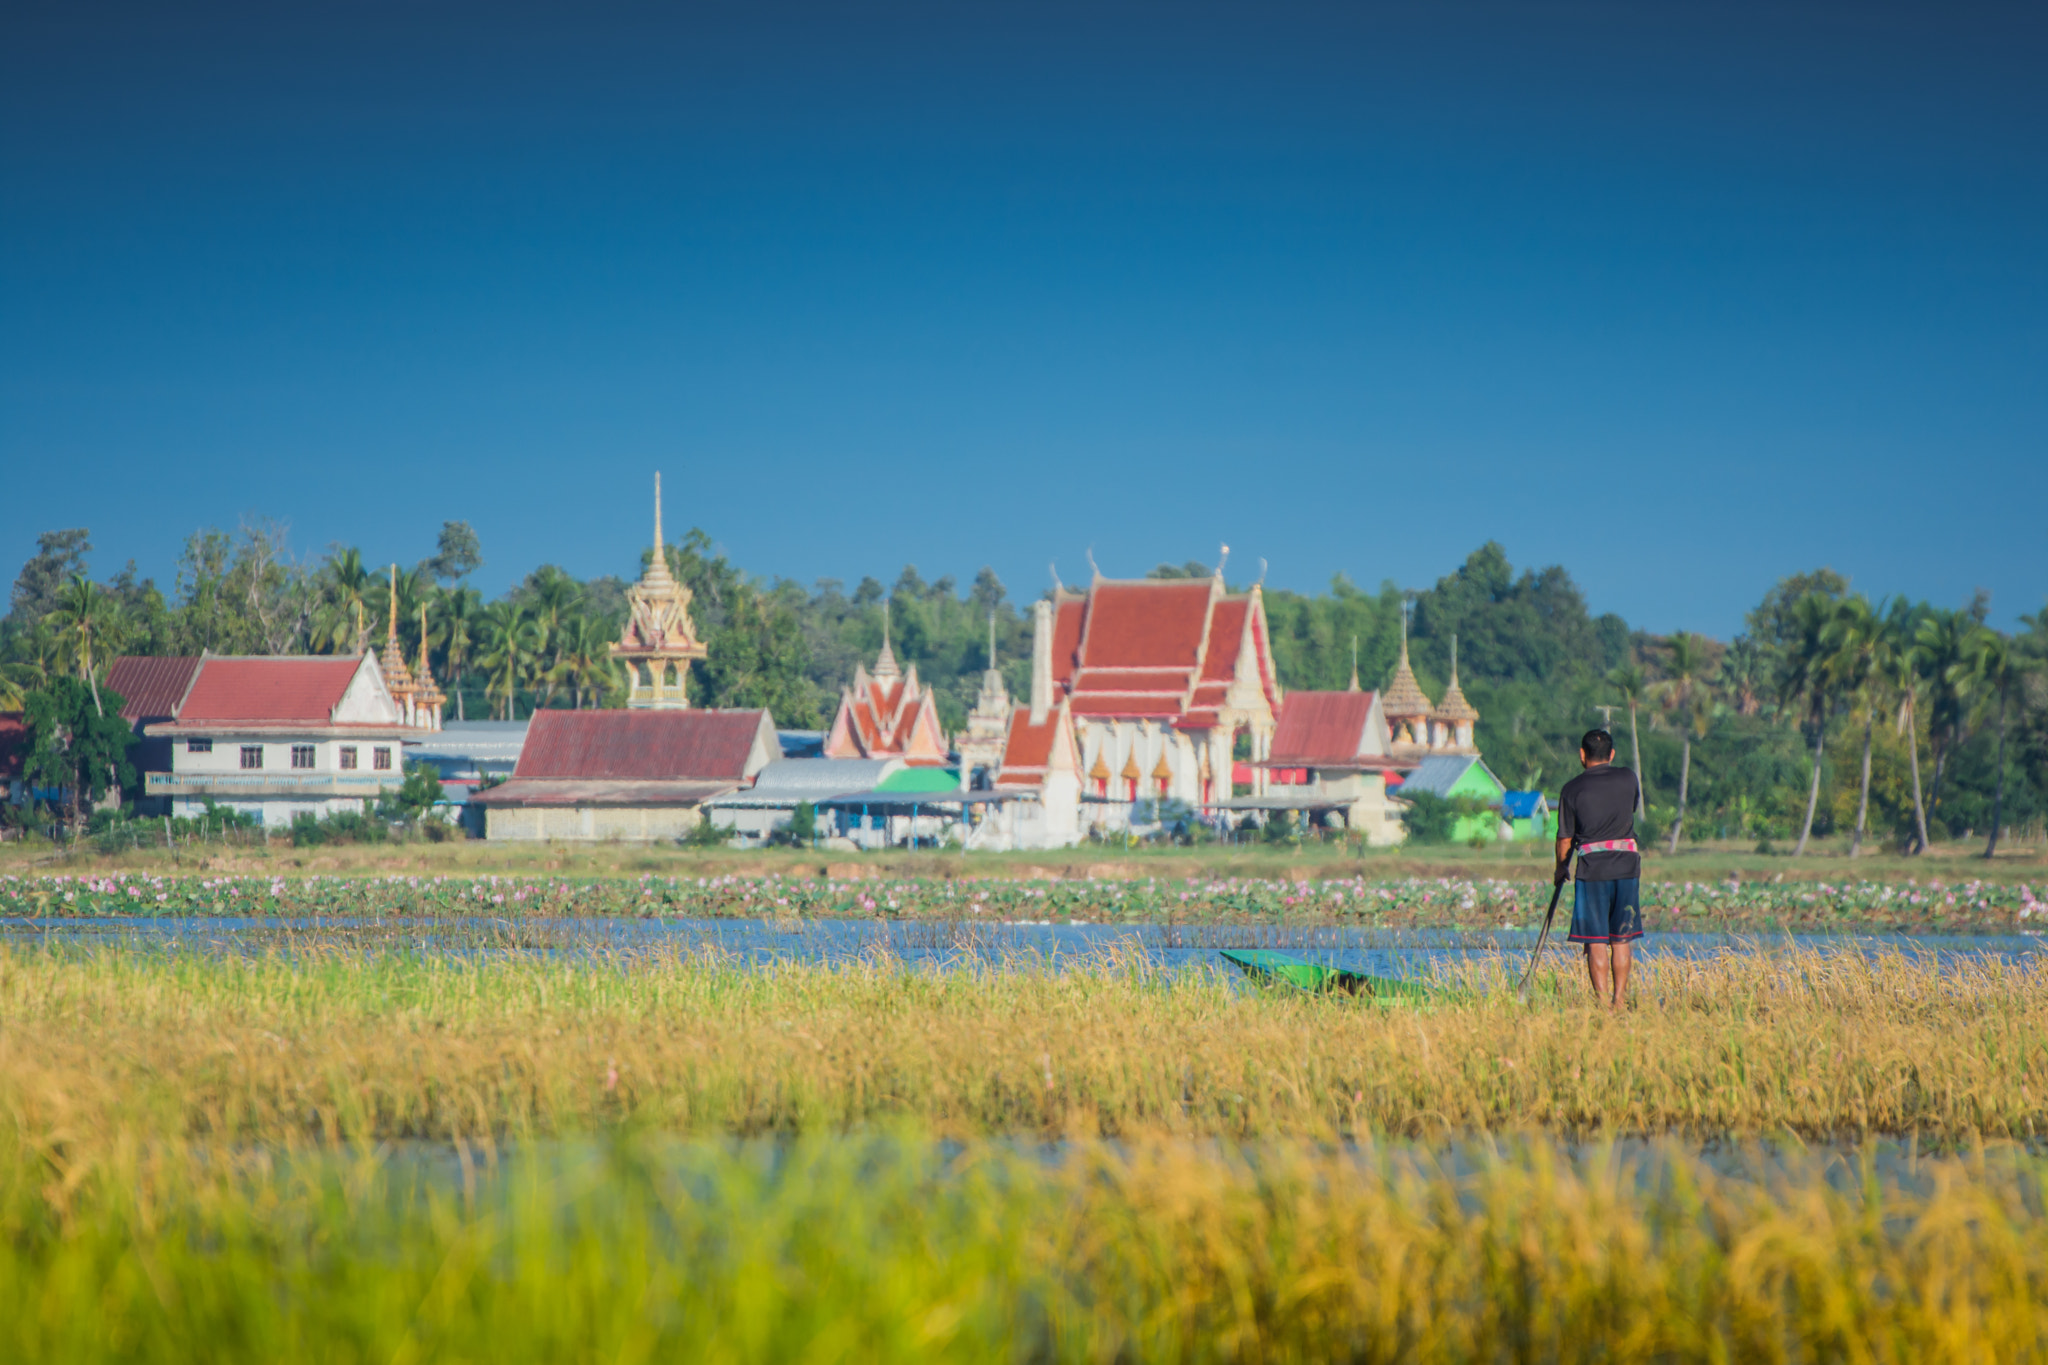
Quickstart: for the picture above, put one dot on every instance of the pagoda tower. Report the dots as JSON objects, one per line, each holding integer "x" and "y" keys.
{"x": 659, "y": 639}
{"x": 1406, "y": 708}
{"x": 426, "y": 698}
{"x": 397, "y": 677}
{"x": 1454, "y": 717}
{"x": 988, "y": 724}
{"x": 887, "y": 714}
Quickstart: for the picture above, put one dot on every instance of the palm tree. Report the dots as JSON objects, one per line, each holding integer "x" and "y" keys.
{"x": 510, "y": 643}
{"x": 85, "y": 621}
{"x": 1898, "y": 662}
{"x": 1807, "y": 684}
{"x": 460, "y": 612}
{"x": 553, "y": 597}
{"x": 583, "y": 659}
{"x": 1686, "y": 700}
{"x": 1628, "y": 680}
{"x": 1995, "y": 670}
{"x": 1944, "y": 641}
{"x": 348, "y": 597}
{"x": 1857, "y": 635}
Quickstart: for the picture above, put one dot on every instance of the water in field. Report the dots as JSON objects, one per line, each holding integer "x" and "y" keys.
{"x": 1384, "y": 952}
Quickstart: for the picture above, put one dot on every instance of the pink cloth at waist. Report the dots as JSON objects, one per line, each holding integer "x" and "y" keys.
{"x": 1609, "y": 846}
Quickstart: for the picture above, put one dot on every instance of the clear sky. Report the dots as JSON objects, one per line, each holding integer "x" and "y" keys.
{"x": 1683, "y": 296}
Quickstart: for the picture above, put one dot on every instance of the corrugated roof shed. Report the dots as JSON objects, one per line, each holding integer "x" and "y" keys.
{"x": 643, "y": 745}
{"x": 151, "y": 688}
{"x": 1321, "y": 729}
{"x": 1439, "y": 773}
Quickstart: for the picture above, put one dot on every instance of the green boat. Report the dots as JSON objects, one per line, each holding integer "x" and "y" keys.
{"x": 1269, "y": 968}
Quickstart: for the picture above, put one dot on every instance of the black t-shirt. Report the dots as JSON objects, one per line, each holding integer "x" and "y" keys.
{"x": 1597, "y": 805}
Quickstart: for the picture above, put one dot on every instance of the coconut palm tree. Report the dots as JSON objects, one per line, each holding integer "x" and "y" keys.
{"x": 1995, "y": 671}
{"x": 552, "y": 598}
{"x": 583, "y": 660}
{"x": 509, "y": 653}
{"x": 1944, "y": 639}
{"x": 86, "y": 623}
{"x": 1687, "y": 702}
{"x": 348, "y": 602}
{"x": 455, "y": 623}
{"x": 1857, "y": 636}
{"x": 1899, "y": 664}
{"x": 1628, "y": 680}
{"x": 1808, "y": 687}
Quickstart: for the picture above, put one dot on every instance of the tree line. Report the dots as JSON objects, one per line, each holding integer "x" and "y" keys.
{"x": 1828, "y": 716}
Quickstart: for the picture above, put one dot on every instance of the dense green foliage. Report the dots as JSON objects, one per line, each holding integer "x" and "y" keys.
{"x": 1817, "y": 676}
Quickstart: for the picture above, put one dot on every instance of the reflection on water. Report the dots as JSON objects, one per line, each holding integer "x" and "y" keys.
{"x": 1388, "y": 952}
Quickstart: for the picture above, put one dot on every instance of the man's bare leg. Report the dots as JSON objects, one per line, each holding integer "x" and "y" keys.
{"x": 1624, "y": 958}
{"x": 1599, "y": 966}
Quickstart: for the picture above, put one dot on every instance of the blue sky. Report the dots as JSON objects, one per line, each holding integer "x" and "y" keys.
{"x": 1682, "y": 296}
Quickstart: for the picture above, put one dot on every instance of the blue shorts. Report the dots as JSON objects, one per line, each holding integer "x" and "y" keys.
{"x": 1607, "y": 912}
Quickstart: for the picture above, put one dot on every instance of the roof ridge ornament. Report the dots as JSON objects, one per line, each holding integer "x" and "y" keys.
{"x": 1354, "y": 664}
{"x": 1222, "y": 559}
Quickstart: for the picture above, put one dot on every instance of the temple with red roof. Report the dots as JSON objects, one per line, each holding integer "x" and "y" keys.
{"x": 888, "y": 714}
{"x": 1167, "y": 682}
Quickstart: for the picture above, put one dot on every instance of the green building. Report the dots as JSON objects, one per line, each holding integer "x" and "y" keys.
{"x": 1453, "y": 776}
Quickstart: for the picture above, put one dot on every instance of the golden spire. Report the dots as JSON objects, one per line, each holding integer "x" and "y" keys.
{"x": 397, "y": 677}
{"x": 885, "y": 662}
{"x": 1454, "y": 706}
{"x": 1404, "y": 696}
{"x": 659, "y": 639}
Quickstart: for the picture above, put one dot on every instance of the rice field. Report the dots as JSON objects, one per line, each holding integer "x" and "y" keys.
{"x": 336, "y": 1154}
{"x": 368, "y": 1047}
{"x": 889, "y": 1247}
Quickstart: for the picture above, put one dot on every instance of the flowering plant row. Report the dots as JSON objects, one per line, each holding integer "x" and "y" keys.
{"x": 1962, "y": 906}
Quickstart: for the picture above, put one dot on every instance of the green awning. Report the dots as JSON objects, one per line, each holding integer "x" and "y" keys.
{"x": 920, "y": 780}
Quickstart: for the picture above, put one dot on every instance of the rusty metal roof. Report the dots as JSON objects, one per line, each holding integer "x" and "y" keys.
{"x": 656, "y": 746}
{"x": 151, "y": 688}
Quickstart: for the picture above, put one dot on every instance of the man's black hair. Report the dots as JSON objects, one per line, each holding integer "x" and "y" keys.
{"x": 1598, "y": 744}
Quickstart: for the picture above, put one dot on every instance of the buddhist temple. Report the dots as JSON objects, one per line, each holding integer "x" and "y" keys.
{"x": 427, "y": 699}
{"x": 1452, "y": 721}
{"x": 988, "y": 724}
{"x": 888, "y": 714}
{"x": 1041, "y": 766}
{"x": 1406, "y": 708}
{"x": 659, "y": 640}
{"x": 1166, "y": 680}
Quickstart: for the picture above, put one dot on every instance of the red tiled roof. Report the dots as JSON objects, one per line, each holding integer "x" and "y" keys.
{"x": 293, "y": 690}
{"x": 1030, "y": 746}
{"x": 1068, "y": 618}
{"x": 659, "y": 746}
{"x": 1146, "y": 624}
{"x": 150, "y": 688}
{"x": 1171, "y": 681}
{"x": 1321, "y": 729}
{"x": 553, "y": 792}
{"x": 1226, "y": 633}
{"x": 13, "y": 745}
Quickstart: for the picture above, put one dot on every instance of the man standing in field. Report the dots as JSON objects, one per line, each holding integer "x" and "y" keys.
{"x": 1596, "y": 815}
